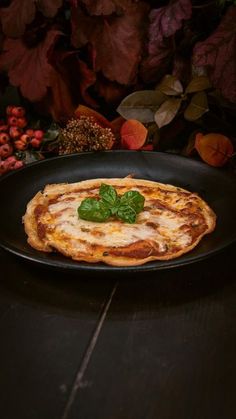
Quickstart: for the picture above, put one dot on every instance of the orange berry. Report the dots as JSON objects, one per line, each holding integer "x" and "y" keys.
{"x": 10, "y": 162}
{"x": 12, "y": 121}
{"x": 30, "y": 132}
{"x": 11, "y": 159}
{"x": 5, "y": 150}
{"x": 38, "y": 133}
{"x": 35, "y": 142}
{"x": 21, "y": 122}
{"x": 20, "y": 145}
{"x": 25, "y": 138}
{"x": 18, "y": 111}
{"x": 15, "y": 132}
{"x": 18, "y": 164}
{"x": 4, "y": 138}
{"x": 3, "y": 128}
{"x": 9, "y": 110}
{"x": 2, "y": 167}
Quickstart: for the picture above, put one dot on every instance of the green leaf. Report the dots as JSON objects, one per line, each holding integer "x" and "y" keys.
{"x": 125, "y": 207}
{"x": 134, "y": 200}
{"x": 167, "y": 111}
{"x": 198, "y": 84}
{"x": 197, "y": 107}
{"x": 170, "y": 86}
{"x": 92, "y": 210}
{"x": 141, "y": 105}
{"x": 51, "y": 134}
{"x": 127, "y": 214}
{"x": 108, "y": 194}
{"x": 30, "y": 156}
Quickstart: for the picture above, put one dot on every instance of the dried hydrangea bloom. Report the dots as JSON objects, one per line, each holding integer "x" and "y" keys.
{"x": 84, "y": 134}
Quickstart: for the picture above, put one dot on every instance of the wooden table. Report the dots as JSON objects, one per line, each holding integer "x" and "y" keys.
{"x": 155, "y": 346}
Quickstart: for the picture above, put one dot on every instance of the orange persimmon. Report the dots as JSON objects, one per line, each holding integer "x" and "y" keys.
{"x": 215, "y": 149}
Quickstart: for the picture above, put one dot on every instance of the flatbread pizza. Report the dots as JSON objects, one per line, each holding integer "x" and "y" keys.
{"x": 169, "y": 222}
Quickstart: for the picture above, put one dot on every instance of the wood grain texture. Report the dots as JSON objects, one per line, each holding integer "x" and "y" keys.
{"x": 167, "y": 348}
{"x": 44, "y": 336}
{"x": 160, "y": 346}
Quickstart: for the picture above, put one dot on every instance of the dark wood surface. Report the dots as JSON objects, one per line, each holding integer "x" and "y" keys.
{"x": 160, "y": 345}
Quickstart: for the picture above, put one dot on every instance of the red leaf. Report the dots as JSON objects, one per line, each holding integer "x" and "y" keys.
{"x": 28, "y": 68}
{"x": 112, "y": 92}
{"x": 22, "y": 12}
{"x": 164, "y": 23}
{"x": 49, "y": 8}
{"x": 15, "y": 17}
{"x": 60, "y": 102}
{"x": 104, "y": 7}
{"x": 87, "y": 78}
{"x": 117, "y": 40}
{"x": 217, "y": 53}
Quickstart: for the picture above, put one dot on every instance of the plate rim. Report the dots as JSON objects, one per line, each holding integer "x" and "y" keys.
{"x": 100, "y": 267}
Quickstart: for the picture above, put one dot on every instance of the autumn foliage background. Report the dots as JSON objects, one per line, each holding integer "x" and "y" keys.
{"x": 59, "y": 54}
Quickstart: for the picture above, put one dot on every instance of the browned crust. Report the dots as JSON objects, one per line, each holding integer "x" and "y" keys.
{"x": 30, "y": 224}
{"x": 137, "y": 253}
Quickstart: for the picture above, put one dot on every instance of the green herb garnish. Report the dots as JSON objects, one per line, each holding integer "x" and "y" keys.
{"x": 125, "y": 207}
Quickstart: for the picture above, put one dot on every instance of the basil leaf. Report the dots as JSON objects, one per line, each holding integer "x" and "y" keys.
{"x": 124, "y": 207}
{"x": 108, "y": 194}
{"x": 134, "y": 199}
{"x": 116, "y": 207}
{"x": 127, "y": 214}
{"x": 92, "y": 210}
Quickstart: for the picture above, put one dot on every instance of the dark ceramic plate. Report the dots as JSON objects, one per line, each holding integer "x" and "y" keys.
{"x": 215, "y": 186}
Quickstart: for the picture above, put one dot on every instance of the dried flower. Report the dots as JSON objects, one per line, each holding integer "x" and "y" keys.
{"x": 84, "y": 134}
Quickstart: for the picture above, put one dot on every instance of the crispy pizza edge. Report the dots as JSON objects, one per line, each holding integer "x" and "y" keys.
{"x": 34, "y": 240}
{"x": 30, "y": 224}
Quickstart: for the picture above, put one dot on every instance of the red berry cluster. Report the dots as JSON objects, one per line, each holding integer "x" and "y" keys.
{"x": 14, "y": 137}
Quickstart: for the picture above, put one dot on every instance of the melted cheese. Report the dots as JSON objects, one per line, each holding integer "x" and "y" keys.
{"x": 172, "y": 222}
{"x": 117, "y": 233}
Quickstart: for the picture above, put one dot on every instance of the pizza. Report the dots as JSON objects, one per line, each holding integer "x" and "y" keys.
{"x": 171, "y": 223}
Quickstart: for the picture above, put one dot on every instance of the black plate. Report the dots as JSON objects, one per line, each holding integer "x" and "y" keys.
{"x": 215, "y": 186}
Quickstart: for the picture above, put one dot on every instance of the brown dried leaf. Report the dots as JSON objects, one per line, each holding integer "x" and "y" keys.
{"x": 197, "y": 107}
{"x": 111, "y": 91}
{"x": 167, "y": 111}
{"x": 189, "y": 150}
{"x": 164, "y": 23}
{"x": 22, "y": 12}
{"x": 15, "y": 17}
{"x": 87, "y": 78}
{"x": 197, "y": 84}
{"x": 217, "y": 54}
{"x": 117, "y": 40}
{"x": 141, "y": 105}
{"x": 104, "y": 7}
{"x": 28, "y": 68}
{"x": 60, "y": 104}
{"x": 49, "y": 7}
{"x": 170, "y": 86}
